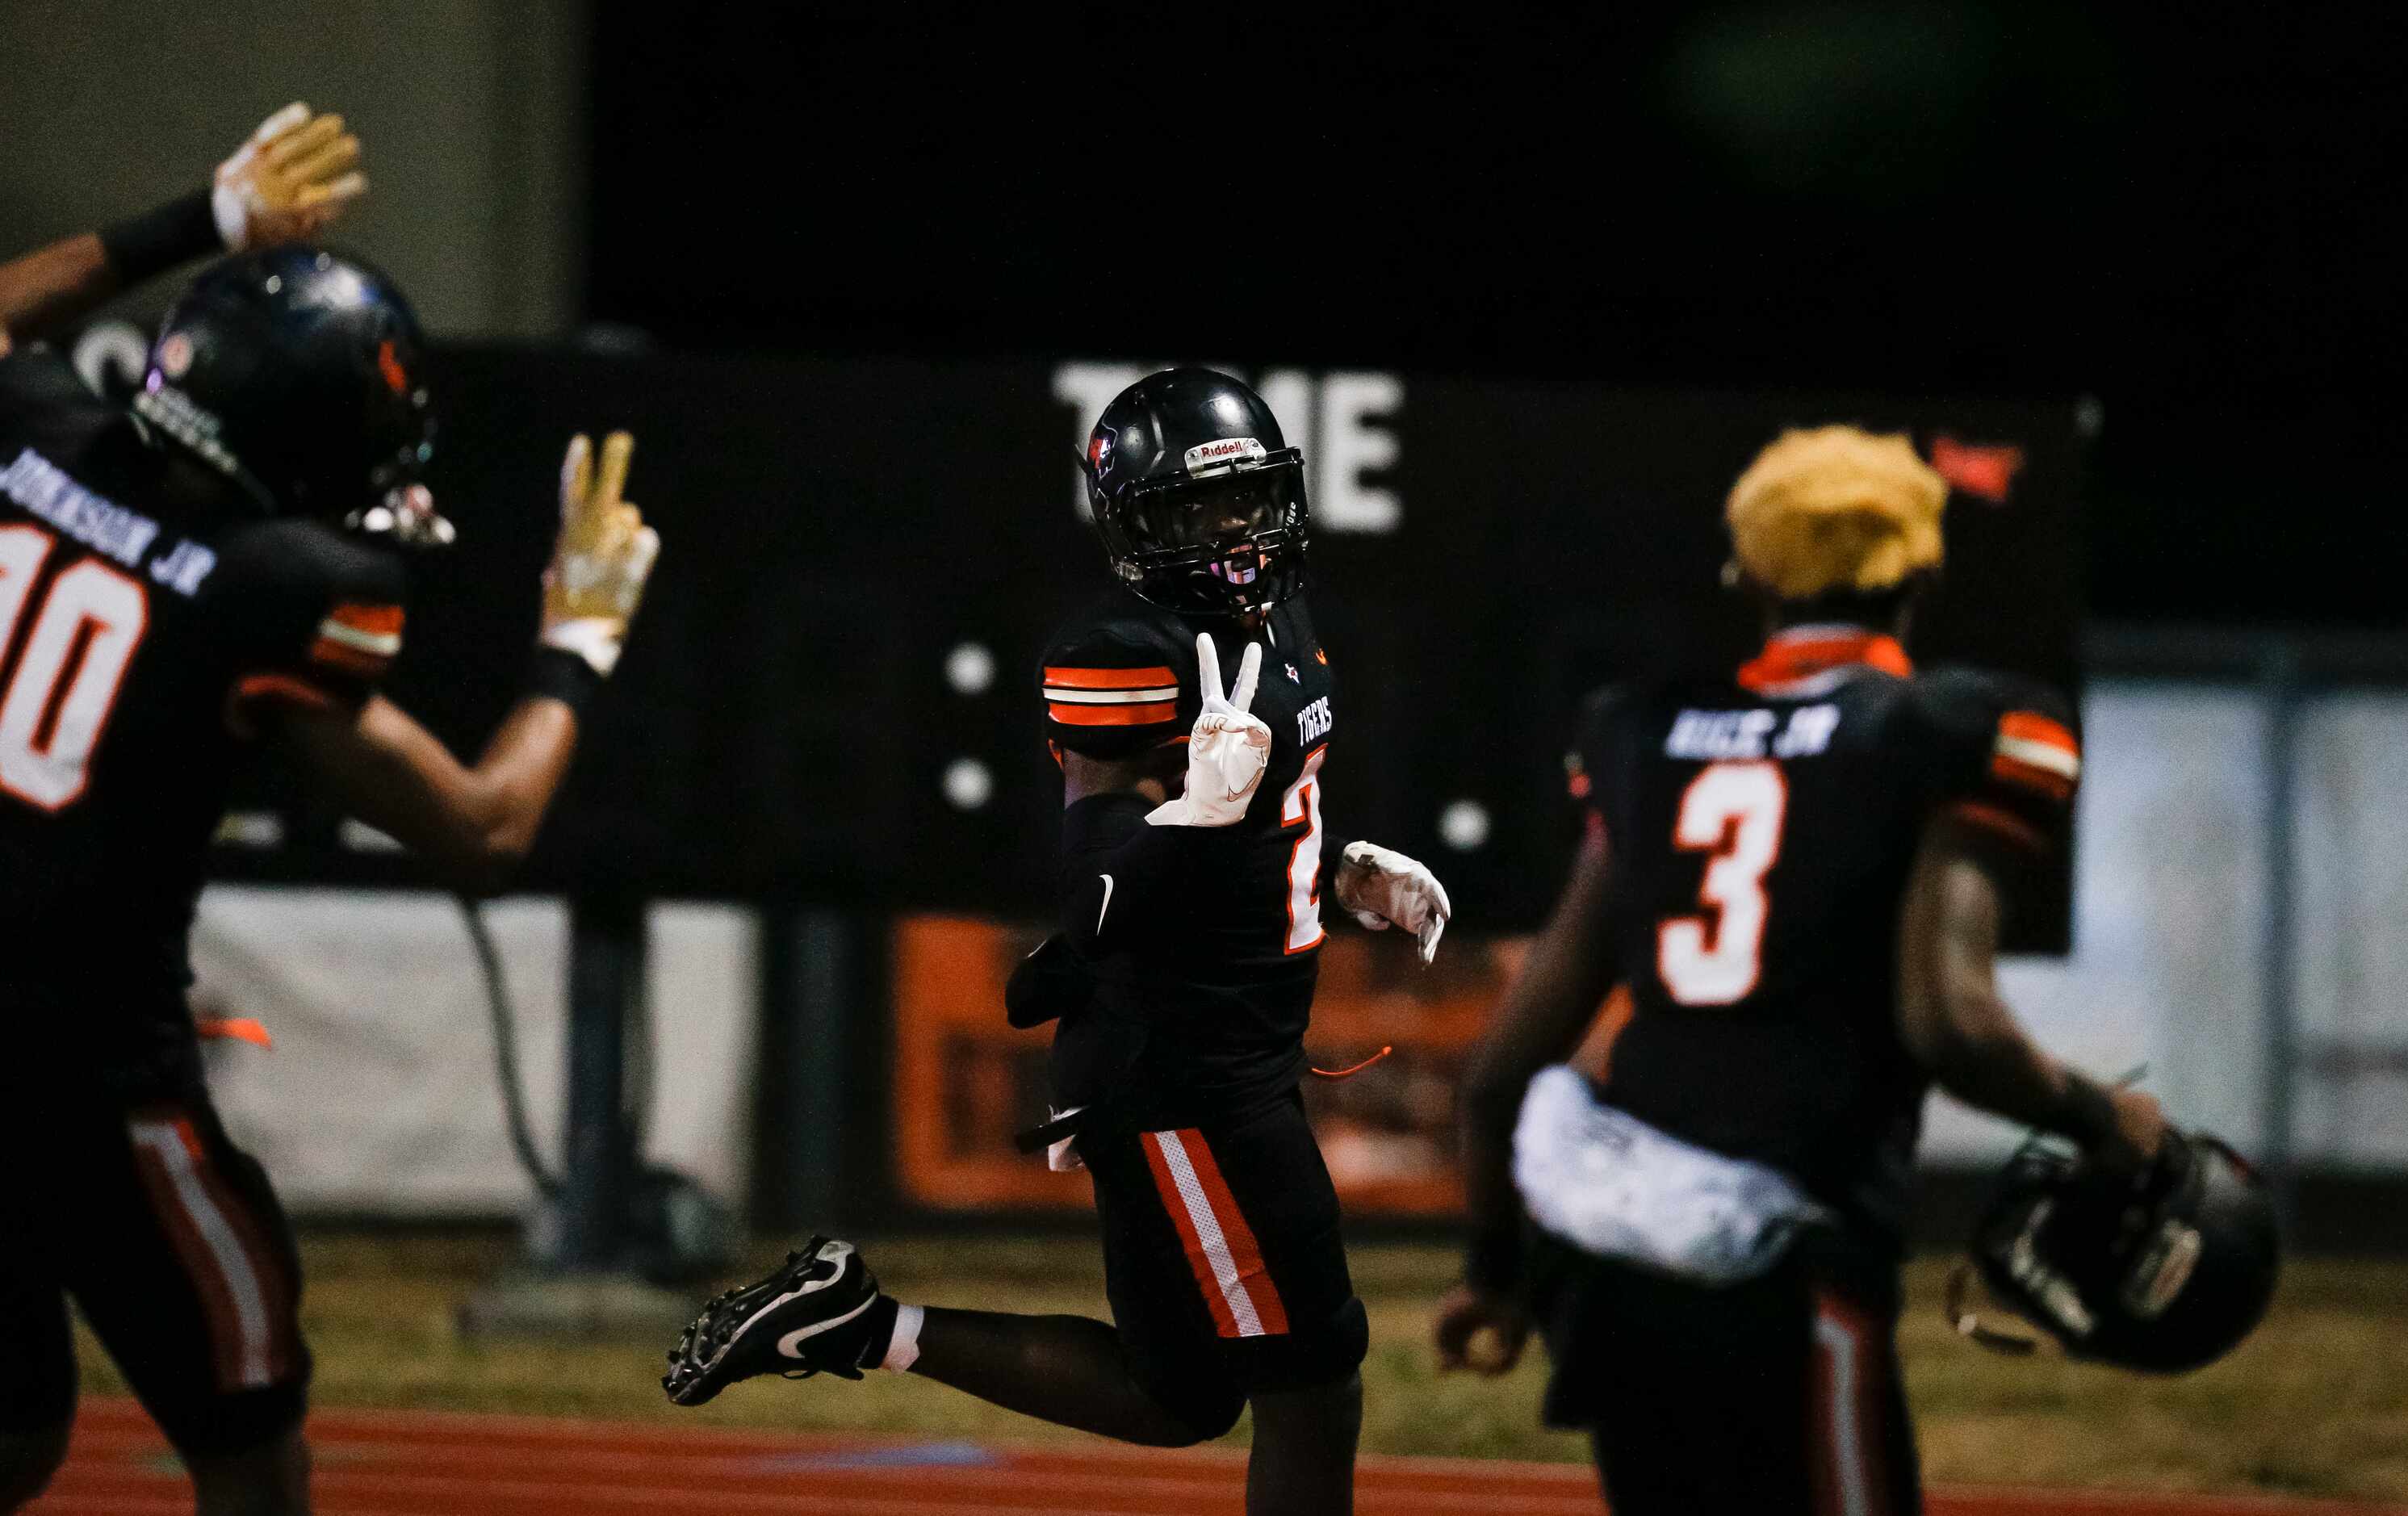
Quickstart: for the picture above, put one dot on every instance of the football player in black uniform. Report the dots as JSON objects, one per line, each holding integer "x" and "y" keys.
{"x": 213, "y": 571}
{"x": 1183, "y": 975}
{"x": 1798, "y": 874}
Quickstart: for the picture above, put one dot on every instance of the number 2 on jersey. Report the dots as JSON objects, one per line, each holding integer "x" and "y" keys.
{"x": 89, "y": 623}
{"x": 1733, "y": 812}
{"x": 1302, "y": 802}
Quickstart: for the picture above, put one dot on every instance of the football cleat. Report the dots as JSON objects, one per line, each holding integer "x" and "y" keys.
{"x": 814, "y": 1315}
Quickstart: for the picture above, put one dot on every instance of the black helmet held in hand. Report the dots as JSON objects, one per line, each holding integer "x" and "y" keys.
{"x": 1198, "y": 497}
{"x": 2166, "y": 1276}
{"x": 297, "y": 374}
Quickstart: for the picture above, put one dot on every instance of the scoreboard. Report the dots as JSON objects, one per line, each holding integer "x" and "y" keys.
{"x": 831, "y": 693}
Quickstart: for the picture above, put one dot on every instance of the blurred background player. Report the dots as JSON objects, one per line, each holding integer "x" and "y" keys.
{"x": 214, "y": 570}
{"x": 1798, "y": 873}
{"x": 1184, "y": 980}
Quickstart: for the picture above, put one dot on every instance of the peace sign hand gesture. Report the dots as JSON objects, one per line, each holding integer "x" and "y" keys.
{"x": 601, "y": 559}
{"x": 1228, "y": 749}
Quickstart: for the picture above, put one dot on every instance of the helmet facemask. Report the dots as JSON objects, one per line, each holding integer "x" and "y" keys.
{"x": 1227, "y": 543}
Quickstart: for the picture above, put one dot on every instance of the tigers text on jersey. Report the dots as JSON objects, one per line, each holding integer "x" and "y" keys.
{"x": 1761, "y": 835}
{"x": 1225, "y": 991}
{"x": 147, "y": 611}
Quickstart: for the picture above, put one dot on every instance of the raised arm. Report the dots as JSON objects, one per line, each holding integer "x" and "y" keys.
{"x": 474, "y": 822}
{"x": 50, "y": 287}
{"x": 286, "y": 183}
{"x": 1953, "y": 1019}
{"x": 1132, "y": 835}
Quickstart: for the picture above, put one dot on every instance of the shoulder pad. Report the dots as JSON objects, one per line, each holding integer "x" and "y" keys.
{"x": 2011, "y": 751}
{"x": 1118, "y": 678}
{"x": 314, "y": 617}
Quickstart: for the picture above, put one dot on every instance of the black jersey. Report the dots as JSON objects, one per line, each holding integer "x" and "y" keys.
{"x": 1761, "y": 832}
{"x": 1225, "y": 990}
{"x": 146, "y": 610}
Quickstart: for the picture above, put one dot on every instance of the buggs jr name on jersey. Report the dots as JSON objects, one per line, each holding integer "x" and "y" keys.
{"x": 1714, "y": 736}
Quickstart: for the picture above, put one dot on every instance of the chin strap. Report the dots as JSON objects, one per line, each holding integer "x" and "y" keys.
{"x": 1968, "y": 1325}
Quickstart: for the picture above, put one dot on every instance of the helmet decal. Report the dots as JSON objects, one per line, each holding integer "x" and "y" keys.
{"x": 395, "y": 378}
{"x": 1229, "y": 452}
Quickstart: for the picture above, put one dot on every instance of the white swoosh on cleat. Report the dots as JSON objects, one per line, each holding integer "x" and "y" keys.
{"x": 793, "y": 1340}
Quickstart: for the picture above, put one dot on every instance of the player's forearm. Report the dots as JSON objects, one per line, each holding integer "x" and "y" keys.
{"x": 517, "y": 777}
{"x": 1500, "y": 1072}
{"x": 472, "y": 824}
{"x": 1953, "y": 1019}
{"x": 1984, "y": 1060}
{"x": 1550, "y": 1004}
{"x": 52, "y": 286}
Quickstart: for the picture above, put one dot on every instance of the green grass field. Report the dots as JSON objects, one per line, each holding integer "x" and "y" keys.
{"x": 2316, "y": 1403}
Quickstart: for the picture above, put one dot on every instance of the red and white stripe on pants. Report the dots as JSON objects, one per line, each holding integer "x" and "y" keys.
{"x": 1220, "y": 1245}
{"x": 1850, "y": 1399}
{"x": 222, "y": 1247}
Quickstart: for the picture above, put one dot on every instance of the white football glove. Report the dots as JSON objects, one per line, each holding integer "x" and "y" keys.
{"x": 604, "y": 554}
{"x": 287, "y": 181}
{"x": 1226, "y": 750}
{"x": 1383, "y": 888}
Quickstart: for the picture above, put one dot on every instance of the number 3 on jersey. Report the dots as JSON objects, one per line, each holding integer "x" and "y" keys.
{"x": 1733, "y": 812}
{"x": 1302, "y": 802}
{"x": 89, "y": 623}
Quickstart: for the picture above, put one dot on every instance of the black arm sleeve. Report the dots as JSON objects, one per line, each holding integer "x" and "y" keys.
{"x": 1122, "y": 878}
{"x": 140, "y": 247}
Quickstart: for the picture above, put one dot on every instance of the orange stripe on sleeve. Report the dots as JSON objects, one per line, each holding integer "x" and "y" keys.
{"x": 1144, "y": 715}
{"x": 283, "y": 687}
{"x": 377, "y": 620}
{"x": 2031, "y": 726}
{"x": 2025, "y": 776}
{"x": 350, "y": 659}
{"x": 2004, "y": 822}
{"x": 1109, "y": 679}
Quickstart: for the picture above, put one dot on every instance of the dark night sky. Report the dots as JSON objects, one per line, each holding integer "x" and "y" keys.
{"x": 2192, "y": 219}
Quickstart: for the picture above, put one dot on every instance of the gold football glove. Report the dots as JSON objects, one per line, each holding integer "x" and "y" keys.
{"x": 288, "y": 182}
{"x": 604, "y": 554}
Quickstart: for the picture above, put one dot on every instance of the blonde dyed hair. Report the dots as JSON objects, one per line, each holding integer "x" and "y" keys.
{"x": 1836, "y": 507}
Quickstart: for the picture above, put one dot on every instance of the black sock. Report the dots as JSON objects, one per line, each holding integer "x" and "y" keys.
{"x": 881, "y": 1321}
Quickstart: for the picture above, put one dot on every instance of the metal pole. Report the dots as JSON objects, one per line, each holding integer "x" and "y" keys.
{"x": 809, "y": 965}
{"x": 606, "y": 972}
{"x": 2279, "y": 681}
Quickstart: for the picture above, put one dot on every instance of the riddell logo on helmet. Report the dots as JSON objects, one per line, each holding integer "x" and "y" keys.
{"x": 1207, "y": 456}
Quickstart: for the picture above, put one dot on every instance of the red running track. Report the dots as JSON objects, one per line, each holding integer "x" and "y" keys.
{"x": 381, "y": 1463}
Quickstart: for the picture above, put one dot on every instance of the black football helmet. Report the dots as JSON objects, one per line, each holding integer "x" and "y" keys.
{"x": 2166, "y": 1276}
{"x": 296, "y": 374}
{"x": 1199, "y": 499}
